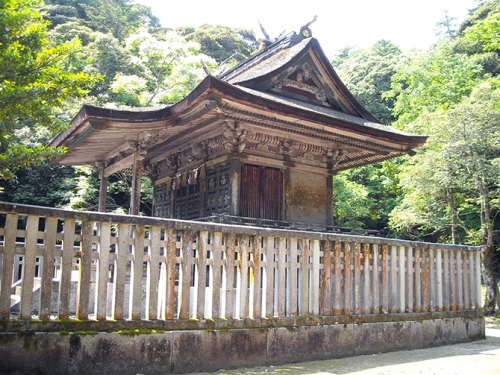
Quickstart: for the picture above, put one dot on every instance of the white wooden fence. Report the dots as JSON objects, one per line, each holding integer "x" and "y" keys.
{"x": 147, "y": 268}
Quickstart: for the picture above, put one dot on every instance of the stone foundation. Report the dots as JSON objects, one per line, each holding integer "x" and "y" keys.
{"x": 211, "y": 346}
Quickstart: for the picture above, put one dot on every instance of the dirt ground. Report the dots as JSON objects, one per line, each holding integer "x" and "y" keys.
{"x": 479, "y": 357}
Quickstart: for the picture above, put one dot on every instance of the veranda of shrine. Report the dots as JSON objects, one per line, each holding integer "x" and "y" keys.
{"x": 241, "y": 264}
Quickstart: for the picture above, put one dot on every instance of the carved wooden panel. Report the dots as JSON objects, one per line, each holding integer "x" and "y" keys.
{"x": 188, "y": 202}
{"x": 218, "y": 191}
{"x": 163, "y": 202}
{"x": 272, "y": 193}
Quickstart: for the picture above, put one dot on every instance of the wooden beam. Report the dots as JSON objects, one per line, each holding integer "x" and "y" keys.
{"x": 119, "y": 165}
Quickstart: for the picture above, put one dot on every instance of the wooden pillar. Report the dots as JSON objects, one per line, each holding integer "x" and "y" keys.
{"x": 135, "y": 195}
{"x": 103, "y": 188}
{"x": 329, "y": 200}
{"x": 234, "y": 180}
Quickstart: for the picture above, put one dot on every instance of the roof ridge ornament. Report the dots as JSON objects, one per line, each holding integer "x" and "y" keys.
{"x": 305, "y": 31}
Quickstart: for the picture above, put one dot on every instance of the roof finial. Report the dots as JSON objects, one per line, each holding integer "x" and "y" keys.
{"x": 305, "y": 31}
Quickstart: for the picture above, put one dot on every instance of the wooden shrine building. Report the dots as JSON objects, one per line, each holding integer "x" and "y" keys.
{"x": 257, "y": 144}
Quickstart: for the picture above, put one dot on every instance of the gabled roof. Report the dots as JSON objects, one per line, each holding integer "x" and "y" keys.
{"x": 289, "y": 90}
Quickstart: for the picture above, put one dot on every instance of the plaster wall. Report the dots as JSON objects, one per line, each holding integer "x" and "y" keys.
{"x": 308, "y": 198}
{"x": 184, "y": 351}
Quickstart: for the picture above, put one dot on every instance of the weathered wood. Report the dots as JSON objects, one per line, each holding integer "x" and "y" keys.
{"x": 66, "y": 268}
{"x": 477, "y": 274}
{"x": 446, "y": 280}
{"x": 315, "y": 275}
{"x": 337, "y": 274}
{"x": 347, "y": 290}
{"x": 281, "y": 286}
{"x": 432, "y": 279}
{"x": 153, "y": 273}
{"x": 357, "y": 278}
{"x": 202, "y": 274}
{"x": 257, "y": 276}
{"x": 418, "y": 281}
{"x": 103, "y": 191}
{"x": 304, "y": 278}
{"x": 28, "y": 267}
{"x": 84, "y": 270}
{"x": 185, "y": 274}
{"x": 244, "y": 277}
{"x": 8, "y": 256}
{"x": 375, "y": 278}
{"x": 118, "y": 308}
{"x": 439, "y": 280}
{"x": 453, "y": 276}
{"x": 171, "y": 279}
{"x": 270, "y": 267}
{"x": 230, "y": 276}
{"x": 135, "y": 194}
{"x": 460, "y": 291}
{"x": 48, "y": 267}
{"x": 101, "y": 290}
{"x": 135, "y": 300}
{"x": 410, "y": 277}
{"x": 467, "y": 281}
{"x": 394, "y": 280}
{"x": 425, "y": 280}
{"x": 402, "y": 279}
{"x": 294, "y": 269}
{"x": 216, "y": 274}
{"x": 326, "y": 280}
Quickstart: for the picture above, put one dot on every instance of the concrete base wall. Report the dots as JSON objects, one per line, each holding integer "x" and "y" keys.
{"x": 182, "y": 351}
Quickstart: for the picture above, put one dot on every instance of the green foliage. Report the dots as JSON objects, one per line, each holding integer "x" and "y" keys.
{"x": 224, "y": 44}
{"x": 367, "y": 74}
{"x": 33, "y": 81}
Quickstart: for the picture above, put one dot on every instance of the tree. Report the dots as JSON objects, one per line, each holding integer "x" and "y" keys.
{"x": 222, "y": 43}
{"x": 462, "y": 163}
{"x": 33, "y": 81}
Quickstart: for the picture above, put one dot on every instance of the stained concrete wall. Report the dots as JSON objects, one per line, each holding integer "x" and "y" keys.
{"x": 210, "y": 350}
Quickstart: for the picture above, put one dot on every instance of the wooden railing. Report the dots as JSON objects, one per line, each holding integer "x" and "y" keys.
{"x": 98, "y": 266}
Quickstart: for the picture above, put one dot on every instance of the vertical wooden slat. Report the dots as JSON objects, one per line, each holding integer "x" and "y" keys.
{"x": 425, "y": 280}
{"x": 418, "y": 280}
{"x": 293, "y": 276}
{"x": 202, "y": 274}
{"x": 269, "y": 276}
{"x": 101, "y": 290}
{"x": 460, "y": 291}
{"x": 439, "y": 280}
{"x": 347, "y": 278}
{"x": 367, "y": 275}
{"x": 216, "y": 290}
{"x": 446, "y": 280}
{"x": 118, "y": 310}
{"x": 84, "y": 270}
{"x": 432, "y": 280}
{"x": 28, "y": 267}
{"x": 185, "y": 275}
{"x": 401, "y": 281}
{"x": 8, "y": 258}
{"x": 357, "y": 279}
{"x": 453, "y": 277}
{"x": 230, "y": 264}
{"x": 326, "y": 280}
{"x": 66, "y": 267}
{"x": 136, "y": 270}
{"x": 304, "y": 278}
{"x": 466, "y": 276}
{"x": 337, "y": 274}
{"x": 409, "y": 279}
{"x": 171, "y": 253}
{"x": 394, "y": 280}
{"x": 243, "y": 265}
{"x": 152, "y": 286}
{"x": 48, "y": 267}
{"x": 376, "y": 279}
{"x": 385, "y": 279}
{"x": 257, "y": 277}
{"x": 315, "y": 276}
{"x": 281, "y": 287}
{"x": 477, "y": 274}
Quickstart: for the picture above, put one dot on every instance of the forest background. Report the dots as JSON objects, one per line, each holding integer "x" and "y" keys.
{"x": 57, "y": 55}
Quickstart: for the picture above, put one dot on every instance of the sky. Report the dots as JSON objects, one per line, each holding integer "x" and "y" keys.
{"x": 358, "y": 23}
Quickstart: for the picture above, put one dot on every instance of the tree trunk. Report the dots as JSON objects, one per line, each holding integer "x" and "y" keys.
{"x": 489, "y": 278}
